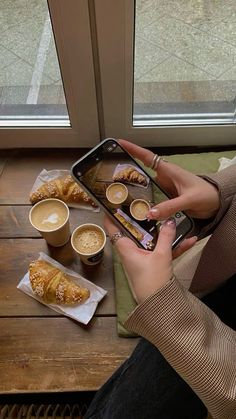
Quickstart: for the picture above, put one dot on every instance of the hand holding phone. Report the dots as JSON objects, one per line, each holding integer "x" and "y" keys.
{"x": 126, "y": 192}
{"x": 188, "y": 192}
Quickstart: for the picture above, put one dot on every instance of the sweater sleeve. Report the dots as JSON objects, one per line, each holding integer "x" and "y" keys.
{"x": 225, "y": 182}
{"x": 190, "y": 336}
{"x": 194, "y": 341}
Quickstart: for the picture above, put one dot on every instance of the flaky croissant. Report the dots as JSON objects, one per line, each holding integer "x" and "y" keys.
{"x": 54, "y": 286}
{"x": 130, "y": 227}
{"x": 64, "y": 188}
{"x": 130, "y": 174}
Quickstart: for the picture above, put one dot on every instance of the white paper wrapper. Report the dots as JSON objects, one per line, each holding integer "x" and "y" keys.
{"x": 224, "y": 162}
{"x": 47, "y": 175}
{"x": 82, "y": 312}
{"x": 120, "y": 167}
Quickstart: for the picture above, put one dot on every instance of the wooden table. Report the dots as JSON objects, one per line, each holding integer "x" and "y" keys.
{"x": 41, "y": 351}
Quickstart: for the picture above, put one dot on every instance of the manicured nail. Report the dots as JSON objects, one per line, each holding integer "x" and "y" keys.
{"x": 154, "y": 212}
{"x": 170, "y": 222}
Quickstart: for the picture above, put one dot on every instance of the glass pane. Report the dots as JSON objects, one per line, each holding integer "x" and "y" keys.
{"x": 185, "y": 62}
{"x": 30, "y": 79}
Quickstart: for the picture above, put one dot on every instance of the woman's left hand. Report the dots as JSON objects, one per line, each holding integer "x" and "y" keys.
{"x": 148, "y": 271}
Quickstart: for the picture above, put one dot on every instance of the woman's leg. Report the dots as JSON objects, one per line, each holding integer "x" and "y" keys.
{"x": 146, "y": 386}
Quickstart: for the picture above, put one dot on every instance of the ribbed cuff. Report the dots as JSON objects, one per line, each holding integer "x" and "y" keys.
{"x": 225, "y": 181}
{"x": 226, "y": 186}
{"x": 161, "y": 305}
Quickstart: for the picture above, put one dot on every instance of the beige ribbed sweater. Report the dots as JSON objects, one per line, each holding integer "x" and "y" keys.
{"x": 190, "y": 336}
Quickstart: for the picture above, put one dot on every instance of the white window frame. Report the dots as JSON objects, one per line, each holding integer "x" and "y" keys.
{"x": 72, "y": 33}
{"x": 115, "y": 31}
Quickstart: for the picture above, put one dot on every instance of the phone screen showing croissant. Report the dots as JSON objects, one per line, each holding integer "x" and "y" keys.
{"x": 124, "y": 189}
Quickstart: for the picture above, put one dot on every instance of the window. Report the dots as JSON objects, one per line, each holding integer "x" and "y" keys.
{"x": 48, "y": 94}
{"x": 168, "y": 71}
{"x": 185, "y": 63}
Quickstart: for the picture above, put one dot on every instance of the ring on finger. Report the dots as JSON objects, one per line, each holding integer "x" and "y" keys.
{"x": 116, "y": 236}
{"x": 155, "y": 162}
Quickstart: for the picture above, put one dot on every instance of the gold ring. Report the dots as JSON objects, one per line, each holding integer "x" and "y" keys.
{"x": 116, "y": 236}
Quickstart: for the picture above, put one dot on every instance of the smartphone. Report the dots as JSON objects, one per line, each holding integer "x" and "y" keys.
{"x": 125, "y": 190}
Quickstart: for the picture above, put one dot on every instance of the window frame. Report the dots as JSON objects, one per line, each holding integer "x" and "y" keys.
{"x": 72, "y": 34}
{"x": 116, "y": 56}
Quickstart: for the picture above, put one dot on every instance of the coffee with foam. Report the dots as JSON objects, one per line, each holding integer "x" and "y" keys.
{"x": 51, "y": 218}
{"x": 49, "y": 215}
{"x": 116, "y": 193}
{"x": 139, "y": 209}
{"x": 88, "y": 240}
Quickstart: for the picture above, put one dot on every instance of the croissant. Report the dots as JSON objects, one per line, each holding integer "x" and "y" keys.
{"x": 130, "y": 174}
{"x": 64, "y": 188}
{"x": 54, "y": 286}
{"x": 133, "y": 230}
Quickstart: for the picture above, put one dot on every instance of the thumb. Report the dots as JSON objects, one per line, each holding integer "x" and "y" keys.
{"x": 168, "y": 208}
{"x": 166, "y": 238}
{"x": 123, "y": 245}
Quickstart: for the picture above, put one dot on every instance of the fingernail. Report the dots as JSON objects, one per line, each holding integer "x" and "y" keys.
{"x": 154, "y": 212}
{"x": 170, "y": 222}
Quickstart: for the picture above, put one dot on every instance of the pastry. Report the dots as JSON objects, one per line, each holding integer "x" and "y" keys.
{"x": 64, "y": 188}
{"x": 54, "y": 286}
{"x": 130, "y": 174}
{"x": 132, "y": 229}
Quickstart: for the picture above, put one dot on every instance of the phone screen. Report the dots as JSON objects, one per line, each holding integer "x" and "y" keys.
{"x": 121, "y": 185}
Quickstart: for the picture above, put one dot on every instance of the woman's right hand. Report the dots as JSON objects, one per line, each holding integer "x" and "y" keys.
{"x": 189, "y": 193}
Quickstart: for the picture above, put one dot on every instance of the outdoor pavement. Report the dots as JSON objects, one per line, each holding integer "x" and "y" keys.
{"x": 185, "y": 50}
{"x": 188, "y": 47}
{"x": 29, "y": 70}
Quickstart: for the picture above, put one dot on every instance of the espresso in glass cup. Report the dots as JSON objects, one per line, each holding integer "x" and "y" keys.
{"x": 88, "y": 241}
{"x": 51, "y": 218}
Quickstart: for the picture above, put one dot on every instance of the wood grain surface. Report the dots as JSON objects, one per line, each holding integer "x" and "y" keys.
{"x": 23, "y": 168}
{"x": 41, "y": 351}
{"x": 41, "y": 355}
{"x": 16, "y": 256}
{"x": 15, "y": 220}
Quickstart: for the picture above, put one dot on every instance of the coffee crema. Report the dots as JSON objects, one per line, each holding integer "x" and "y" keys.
{"x": 116, "y": 193}
{"x": 88, "y": 240}
{"x": 49, "y": 215}
{"x": 139, "y": 209}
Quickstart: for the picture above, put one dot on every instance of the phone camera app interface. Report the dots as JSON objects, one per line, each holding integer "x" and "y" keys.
{"x": 126, "y": 191}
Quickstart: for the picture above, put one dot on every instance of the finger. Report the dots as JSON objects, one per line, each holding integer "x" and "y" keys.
{"x": 184, "y": 246}
{"x": 146, "y": 156}
{"x": 123, "y": 244}
{"x": 109, "y": 225}
{"x": 168, "y": 208}
{"x": 166, "y": 238}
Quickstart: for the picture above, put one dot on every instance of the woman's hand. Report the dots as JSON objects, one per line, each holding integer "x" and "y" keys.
{"x": 148, "y": 271}
{"x": 189, "y": 193}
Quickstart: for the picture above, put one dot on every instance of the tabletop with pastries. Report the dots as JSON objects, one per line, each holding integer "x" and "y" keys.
{"x": 40, "y": 350}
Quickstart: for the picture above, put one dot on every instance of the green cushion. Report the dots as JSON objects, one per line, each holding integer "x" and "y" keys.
{"x": 197, "y": 163}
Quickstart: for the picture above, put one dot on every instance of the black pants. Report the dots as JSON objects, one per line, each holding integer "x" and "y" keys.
{"x": 147, "y": 387}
